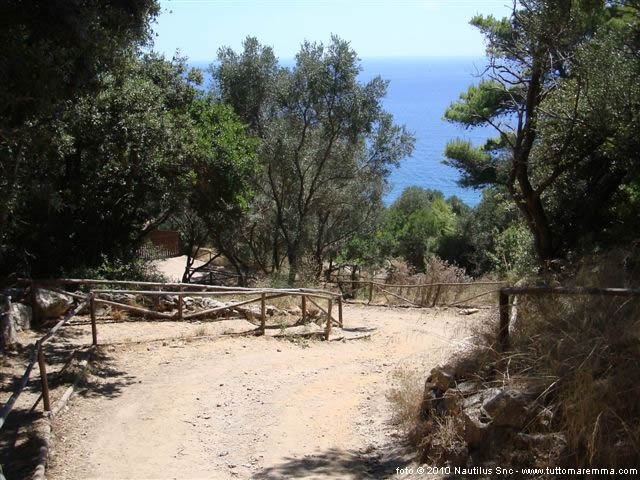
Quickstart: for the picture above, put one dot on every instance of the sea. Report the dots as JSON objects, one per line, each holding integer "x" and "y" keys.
{"x": 420, "y": 90}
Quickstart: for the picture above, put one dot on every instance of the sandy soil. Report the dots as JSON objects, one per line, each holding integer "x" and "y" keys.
{"x": 173, "y": 268}
{"x": 249, "y": 407}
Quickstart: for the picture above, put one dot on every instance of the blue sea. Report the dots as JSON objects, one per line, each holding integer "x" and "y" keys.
{"x": 420, "y": 90}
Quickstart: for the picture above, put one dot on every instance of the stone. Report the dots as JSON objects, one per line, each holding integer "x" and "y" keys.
{"x": 21, "y": 316}
{"x": 476, "y": 425}
{"x": 442, "y": 378}
{"x": 466, "y": 389}
{"x": 250, "y": 312}
{"x": 468, "y": 311}
{"x": 550, "y": 446}
{"x": 508, "y": 408}
{"x": 52, "y": 304}
{"x": 432, "y": 401}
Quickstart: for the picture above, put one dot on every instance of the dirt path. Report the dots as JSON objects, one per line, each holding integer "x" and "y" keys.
{"x": 252, "y": 407}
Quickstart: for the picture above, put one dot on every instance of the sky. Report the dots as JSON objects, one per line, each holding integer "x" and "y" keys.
{"x": 375, "y": 28}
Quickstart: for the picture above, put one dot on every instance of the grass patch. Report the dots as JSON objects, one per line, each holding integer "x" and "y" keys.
{"x": 580, "y": 355}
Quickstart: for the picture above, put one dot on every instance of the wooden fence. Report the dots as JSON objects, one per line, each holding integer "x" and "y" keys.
{"x": 505, "y": 305}
{"x": 93, "y": 297}
{"x": 422, "y": 295}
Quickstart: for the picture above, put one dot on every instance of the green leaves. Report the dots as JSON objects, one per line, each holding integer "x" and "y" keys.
{"x": 481, "y": 104}
{"x": 477, "y": 166}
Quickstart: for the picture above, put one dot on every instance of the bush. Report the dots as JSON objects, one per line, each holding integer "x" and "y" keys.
{"x": 137, "y": 270}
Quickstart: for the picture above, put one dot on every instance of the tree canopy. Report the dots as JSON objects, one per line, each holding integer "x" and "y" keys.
{"x": 327, "y": 144}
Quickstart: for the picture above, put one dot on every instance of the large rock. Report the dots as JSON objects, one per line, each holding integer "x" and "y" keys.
{"x": 476, "y": 426}
{"x": 442, "y": 378}
{"x": 508, "y": 408}
{"x": 52, "y": 304}
{"x": 454, "y": 397}
{"x": 21, "y": 316}
{"x": 475, "y": 419}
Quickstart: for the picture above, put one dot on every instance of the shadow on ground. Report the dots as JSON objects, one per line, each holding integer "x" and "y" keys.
{"x": 19, "y": 445}
{"x": 361, "y": 464}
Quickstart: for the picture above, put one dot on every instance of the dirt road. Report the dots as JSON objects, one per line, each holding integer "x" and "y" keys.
{"x": 252, "y": 407}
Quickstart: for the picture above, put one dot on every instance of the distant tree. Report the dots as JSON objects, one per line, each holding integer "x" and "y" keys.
{"x": 224, "y": 162}
{"x": 415, "y": 225}
{"x": 323, "y": 133}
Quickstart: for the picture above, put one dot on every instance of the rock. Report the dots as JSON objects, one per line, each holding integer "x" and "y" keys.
{"x": 453, "y": 398}
{"x": 432, "y": 401}
{"x": 52, "y": 304}
{"x": 208, "y": 303}
{"x": 508, "y": 408}
{"x": 442, "y": 378}
{"x": 249, "y": 312}
{"x": 476, "y": 425}
{"x": 466, "y": 389}
{"x": 21, "y": 315}
{"x": 550, "y": 446}
{"x": 8, "y": 337}
{"x": 468, "y": 311}
{"x": 452, "y": 402}
{"x": 271, "y": 310}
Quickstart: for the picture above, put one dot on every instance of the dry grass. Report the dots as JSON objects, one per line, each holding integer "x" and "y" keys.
{"x": 582, "y": 355}
{"x": 585, "y": 352}
{"x": 406, "y": 397}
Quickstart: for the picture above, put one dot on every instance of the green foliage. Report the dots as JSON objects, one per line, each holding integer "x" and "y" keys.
{"x": 480, "y": 104}
{"x": 116, "y": 269}
{"x": 512, "y": 250}
{"x": 327, "y": 148}
{"x": 416, "y": 226}
{"x": 559, "y": 90}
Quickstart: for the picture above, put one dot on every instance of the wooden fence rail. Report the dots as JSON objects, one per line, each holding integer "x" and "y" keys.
{"x": 92, "y": 299}
{"x": 506, "y": 292}
{"x": 424, "y": 294}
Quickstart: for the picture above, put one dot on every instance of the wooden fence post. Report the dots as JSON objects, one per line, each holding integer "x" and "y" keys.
{"x": 263, "y": 314}
{"x": 328, "y": 331}
{"x": 435, "y": 297}
{"x": 340, "y": 311}
{"x": 304, "y": 309}
{"x": 370, "y": 291}
{"x": 503, "y": 333}
{"x": 43, "y": 380}
{"x": 94, "y": 328}
{"x": 180, "y": 304}
{"x": 156, "y": 300}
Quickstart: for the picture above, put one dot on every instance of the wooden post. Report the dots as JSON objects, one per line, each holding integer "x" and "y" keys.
{"x": 156, "y": 300}
{"x": 435, "y": 297}
{"x": 94, "y": 328}
{"x": 304, "y": 309}
{"x": 43, "y": 379}
{"x": 180, "y": 304}
{"x": 340, "y": 311}
{"x": 370, "y": 291}
{"x": 263, "y": 314}
{"x": 503, "y": 333}
{"x": 328, "y": 331}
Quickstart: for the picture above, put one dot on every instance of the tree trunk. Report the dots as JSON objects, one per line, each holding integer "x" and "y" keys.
{"x": 292, "y": 256}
